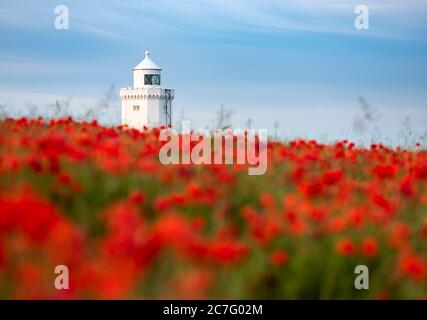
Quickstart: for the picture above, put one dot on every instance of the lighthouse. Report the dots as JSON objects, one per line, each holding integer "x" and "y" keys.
{"x": 146, "y": 103}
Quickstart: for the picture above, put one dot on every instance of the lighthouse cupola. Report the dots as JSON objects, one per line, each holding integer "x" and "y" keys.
{"x": 146, "y": 73}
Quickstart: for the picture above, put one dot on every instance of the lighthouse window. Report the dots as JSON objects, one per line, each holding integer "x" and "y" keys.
{"x": 135, "y": 108}
{"x": 152, "y": 79}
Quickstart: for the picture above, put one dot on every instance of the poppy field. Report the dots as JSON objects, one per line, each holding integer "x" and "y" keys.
{"x": 97, "y": 200}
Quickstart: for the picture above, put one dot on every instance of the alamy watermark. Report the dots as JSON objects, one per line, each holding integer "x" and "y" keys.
{"x": 62, "y": 19}
{"x": 362, "y": 19}
{"x": 219, "y": 146}
{"x": 62, "y": 281}
{"x": 362, "y": 280}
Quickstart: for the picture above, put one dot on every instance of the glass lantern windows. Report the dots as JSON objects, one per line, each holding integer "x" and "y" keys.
{"x": 152, "y": 79}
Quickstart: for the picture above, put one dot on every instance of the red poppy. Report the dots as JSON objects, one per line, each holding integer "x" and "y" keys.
{"x": 346, "y": 247}
{"x": 278, "y": 258}
{"x": 370, "y": 247}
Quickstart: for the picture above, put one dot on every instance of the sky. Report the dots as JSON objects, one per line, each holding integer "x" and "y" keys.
{"x": 294, "y": 67}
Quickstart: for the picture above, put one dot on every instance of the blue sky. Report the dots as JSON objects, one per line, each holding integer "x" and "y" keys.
{"x": 300, "y": 62}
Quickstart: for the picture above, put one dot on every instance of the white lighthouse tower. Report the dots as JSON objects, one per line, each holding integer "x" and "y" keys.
{"x": 146, "y": 103}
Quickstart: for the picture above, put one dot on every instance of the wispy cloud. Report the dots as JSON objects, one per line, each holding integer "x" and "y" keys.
{"x": 25, "y": 66}
{"x": 116, "y": 20}
{"x": 388, "y": 17}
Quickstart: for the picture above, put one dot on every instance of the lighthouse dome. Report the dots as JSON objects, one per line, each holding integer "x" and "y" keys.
{"x": 147, "y": 63}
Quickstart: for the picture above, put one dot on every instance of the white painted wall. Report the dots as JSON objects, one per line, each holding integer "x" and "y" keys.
{"x": 150, "y": 101}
